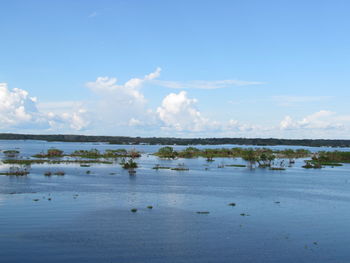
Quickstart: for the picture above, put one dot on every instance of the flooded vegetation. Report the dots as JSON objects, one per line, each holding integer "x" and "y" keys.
{"x": 97, "y": 202}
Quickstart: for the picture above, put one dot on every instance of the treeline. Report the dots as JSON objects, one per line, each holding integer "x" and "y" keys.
{"x": 176, "y": 141}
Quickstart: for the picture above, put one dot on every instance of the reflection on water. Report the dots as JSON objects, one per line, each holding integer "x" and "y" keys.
{"x": 295, "y": 215}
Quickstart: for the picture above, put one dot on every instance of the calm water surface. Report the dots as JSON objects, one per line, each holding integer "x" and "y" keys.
{"x": 295, "y": 215}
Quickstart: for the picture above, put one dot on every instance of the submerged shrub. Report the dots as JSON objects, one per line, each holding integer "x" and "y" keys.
{"x": 130, "y": 164}
{"x": 11, "y": 153}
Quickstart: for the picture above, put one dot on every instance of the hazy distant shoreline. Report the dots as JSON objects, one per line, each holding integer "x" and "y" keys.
{"x": 175, "y": 141}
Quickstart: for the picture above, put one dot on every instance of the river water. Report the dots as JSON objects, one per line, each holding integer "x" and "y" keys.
{"x": 296, "y": 215}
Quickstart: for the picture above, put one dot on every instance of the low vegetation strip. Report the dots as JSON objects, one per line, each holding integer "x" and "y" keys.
{"x": 192, "y": 152}
{"x": 90, "y": 154}
{"x": 174, "y": 141}
{"x": 42, "y": 161}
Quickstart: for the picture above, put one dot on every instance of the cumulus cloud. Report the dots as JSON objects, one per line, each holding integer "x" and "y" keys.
{"x": 126, "y": 93}
{"x": 122, "y": 109}
{"x": 234, "y": 125}
{"x": 16, "y": 107}
{"x": 120, "y": 106}
{"x": 19, "y": 110}
{"x": 319, "y": 120}
{"x": 179, "y": 112}
{"x": 135, "y": 122}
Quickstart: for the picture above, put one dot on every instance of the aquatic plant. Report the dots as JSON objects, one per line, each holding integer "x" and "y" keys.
{"x": 11, "y": 153}
{"x": 51, "y": 153}
{"x": 311, "y": 165}
{"x": 235, "y": 165}
{"x": 42, "y": 161}
{"x": 16, "y": 171}
{"x": 91, "y": 154}
{"x": 157, "y": 167}
{"x": 277, "y": 168}
{"x": 180, "y": 167}
{"x": 210, "y": 159}
{"x": 166, "y": 152}
{"x": 130, "y": 164}
{"x": 331, "y": 157}
{"x": 95, "y": 154}
{"x": 60, "y": 173}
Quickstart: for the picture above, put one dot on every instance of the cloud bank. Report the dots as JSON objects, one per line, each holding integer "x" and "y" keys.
{"x": 122, "y": 109}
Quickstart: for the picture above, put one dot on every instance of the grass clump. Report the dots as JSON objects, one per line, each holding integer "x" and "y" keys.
{"x": 51, "y": 153}
{"x": 19, "y": 173}
{"x": 312, "y": 165}
{"x": 277, "y": 168}
{"x": 11, "y": 153}
{"x": 95, "y": 154}
{"x": 16, "y": 171}
{"x": 59, "y": 173}
{"x": 130, "y": 164}
{"x": 235, "y": 165}
{"x": 134, "y": 210}
{"x": 42, "y": 161}
{"x": 157, "y": 167}
{"x": 180, "y": 169}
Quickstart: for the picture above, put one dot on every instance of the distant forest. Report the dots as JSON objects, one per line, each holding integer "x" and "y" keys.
{"x": 175, "y": 141}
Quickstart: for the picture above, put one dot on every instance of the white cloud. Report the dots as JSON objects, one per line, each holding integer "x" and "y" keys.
{"x": 122, "y": 109}
{"x": 19, "y": 110}
{"x": 179, "y": 112}
{"x": 126, "y": 93}
{"x": 234, "y": 125}
{"x": 200, "y": 84}
{"x": 16, "y": 107}
{"x": 319, "y": 120}
{"x": 135, "y": 122}
{"x": 119, "y": 106}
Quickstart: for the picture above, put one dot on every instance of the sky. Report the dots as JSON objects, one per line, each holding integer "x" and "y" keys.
{"x": 162, "y": 68}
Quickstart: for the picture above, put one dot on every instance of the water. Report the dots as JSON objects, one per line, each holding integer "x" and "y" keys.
{"x": 296, "y": 215}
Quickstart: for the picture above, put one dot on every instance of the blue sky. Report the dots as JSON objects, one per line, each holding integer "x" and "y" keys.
{"x": 202, "y": 68}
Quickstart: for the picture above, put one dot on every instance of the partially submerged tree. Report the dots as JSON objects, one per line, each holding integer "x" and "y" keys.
{"x": 167, "y": 152}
